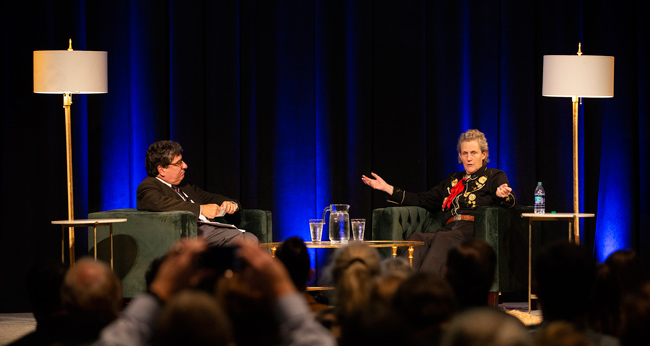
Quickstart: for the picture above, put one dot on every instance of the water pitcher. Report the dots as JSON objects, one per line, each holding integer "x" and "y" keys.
{"x": 339, "y": 223}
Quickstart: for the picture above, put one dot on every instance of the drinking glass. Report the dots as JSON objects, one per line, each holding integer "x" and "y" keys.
{"x": 316, "y": 229}
{"x": 358, "y": 226}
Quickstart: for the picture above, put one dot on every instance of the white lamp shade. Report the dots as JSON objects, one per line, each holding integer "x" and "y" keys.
{"x": 578, "y": 75}
{"x": 62, "y": 71}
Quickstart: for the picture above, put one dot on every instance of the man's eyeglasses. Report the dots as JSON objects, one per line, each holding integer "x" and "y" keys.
{"x": 178, "y": 163}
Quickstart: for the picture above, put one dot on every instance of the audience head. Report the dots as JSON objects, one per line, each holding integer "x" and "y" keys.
{"x": 397, "y": 266}
{"x": 470, "y": 272}
{"x": 353, "y": 269}
{"x": 393, "y": 271}
{"x": 485, "y": 326}
{"x": 425, "y": 302}
{"x": 92, "y": 294}
{"x": 374, "y": 324}
{"x": 560, "y": 333}
{"x": 43, "y": 283}
{"x": 161, "y": 154}
{"x": 565, "y": 274}
{"x": 628, "y": 269}
{"x": 293, "y": 254}
{"x": 636, "y": 317}
{"x": 605, "y": 302}
{"x": 193, "y": 318}
{"x": 385, "y": 287}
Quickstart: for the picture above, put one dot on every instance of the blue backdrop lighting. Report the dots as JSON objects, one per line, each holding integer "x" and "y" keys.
{"x": 309, "y": 95}
{"x": 613, "y": 222}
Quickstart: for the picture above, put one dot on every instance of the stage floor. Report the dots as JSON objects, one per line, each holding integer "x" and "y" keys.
{"x": 14, "y": 326}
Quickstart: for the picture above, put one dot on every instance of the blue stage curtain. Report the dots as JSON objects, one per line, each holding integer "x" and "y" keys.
{"x": 285, "y": 104}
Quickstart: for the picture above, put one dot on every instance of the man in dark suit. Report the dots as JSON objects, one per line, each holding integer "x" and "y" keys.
{"x": 165, "y": 189}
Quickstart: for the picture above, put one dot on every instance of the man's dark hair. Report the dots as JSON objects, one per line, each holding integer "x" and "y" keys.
{"x": 470, "y": 272}
{"x": 426, "y": 302}
{"x": 161, "y": 153}
{"x": 293, "y": 254}
{"x": 486, "y": 326}
{"x": 565, "y": 275}
{"x": 628, "y": 269}
{"x": 193, "y": 318}
{"x": 636, "y": 317}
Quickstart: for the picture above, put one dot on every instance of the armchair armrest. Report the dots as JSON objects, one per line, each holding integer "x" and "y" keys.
{"x": 256, "y": 221}
{"x": 507, "y": 232}
{"x": 144, "y": 237}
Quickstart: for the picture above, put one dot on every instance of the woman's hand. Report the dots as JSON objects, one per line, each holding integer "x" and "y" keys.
{"x": 503, "y": 191}
{"x": 378, "y": 183}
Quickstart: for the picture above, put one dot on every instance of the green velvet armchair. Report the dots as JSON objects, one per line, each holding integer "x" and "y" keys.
{"x": 504, "y": 229}
{"x": 148, "y": 235}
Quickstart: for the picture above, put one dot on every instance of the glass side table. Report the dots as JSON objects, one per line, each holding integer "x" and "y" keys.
{"x": 94, "y": 223}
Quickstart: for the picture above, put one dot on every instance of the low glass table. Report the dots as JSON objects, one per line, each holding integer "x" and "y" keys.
{"x": 94, "y": 223}
{"x": 394, "y": 244}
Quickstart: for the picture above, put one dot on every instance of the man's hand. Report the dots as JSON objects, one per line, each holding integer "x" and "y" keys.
{"x": 378, "y": 183}
{"x": 229, "y": 206}
{"x": 503, "y": 191}
{"x": 179, "y": 269}
{"x": 210, "y": 210}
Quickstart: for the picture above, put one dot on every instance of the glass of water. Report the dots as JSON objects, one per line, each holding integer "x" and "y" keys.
{"x": 358, "y": 226}
{"x": 316, "y": 229}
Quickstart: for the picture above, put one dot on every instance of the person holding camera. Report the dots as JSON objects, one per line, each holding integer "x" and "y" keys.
{"x": 182, "y": 268}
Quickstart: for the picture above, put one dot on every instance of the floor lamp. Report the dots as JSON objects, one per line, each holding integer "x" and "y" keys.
{"x": 70, "y": 72}
{"x": 578, "y": 76}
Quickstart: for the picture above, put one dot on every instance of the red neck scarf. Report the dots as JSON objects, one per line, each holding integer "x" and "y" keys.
{"x": 455, "y": 191}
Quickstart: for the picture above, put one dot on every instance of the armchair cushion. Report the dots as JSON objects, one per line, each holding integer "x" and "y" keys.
{"x": 256, "y": 221}
{"x": 148, "y": 235}
{"x": 502, "y": 228}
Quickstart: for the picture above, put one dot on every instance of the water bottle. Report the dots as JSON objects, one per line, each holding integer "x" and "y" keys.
{"x": 540, "y": 199}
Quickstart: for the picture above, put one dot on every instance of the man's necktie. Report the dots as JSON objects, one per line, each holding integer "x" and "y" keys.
{"x": 180, "y": 192}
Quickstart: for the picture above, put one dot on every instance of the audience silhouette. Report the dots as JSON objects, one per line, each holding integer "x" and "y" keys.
{"x": 254, "y": 299}
{"x": 193, "y": 317}
{"x": 293, "y": 254}
{"x": 565, "y": 275}
{"x": 485, "y": 326}
{"x": 92, "y": 296}
{"x": 470, "y": 272}
{"x": 43, "y": 283}
{"x": 426, "y": 303}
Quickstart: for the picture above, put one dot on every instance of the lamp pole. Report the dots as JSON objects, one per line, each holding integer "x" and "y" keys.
{"x": 576, "y": 176}
{"x": 67, "y": 101}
